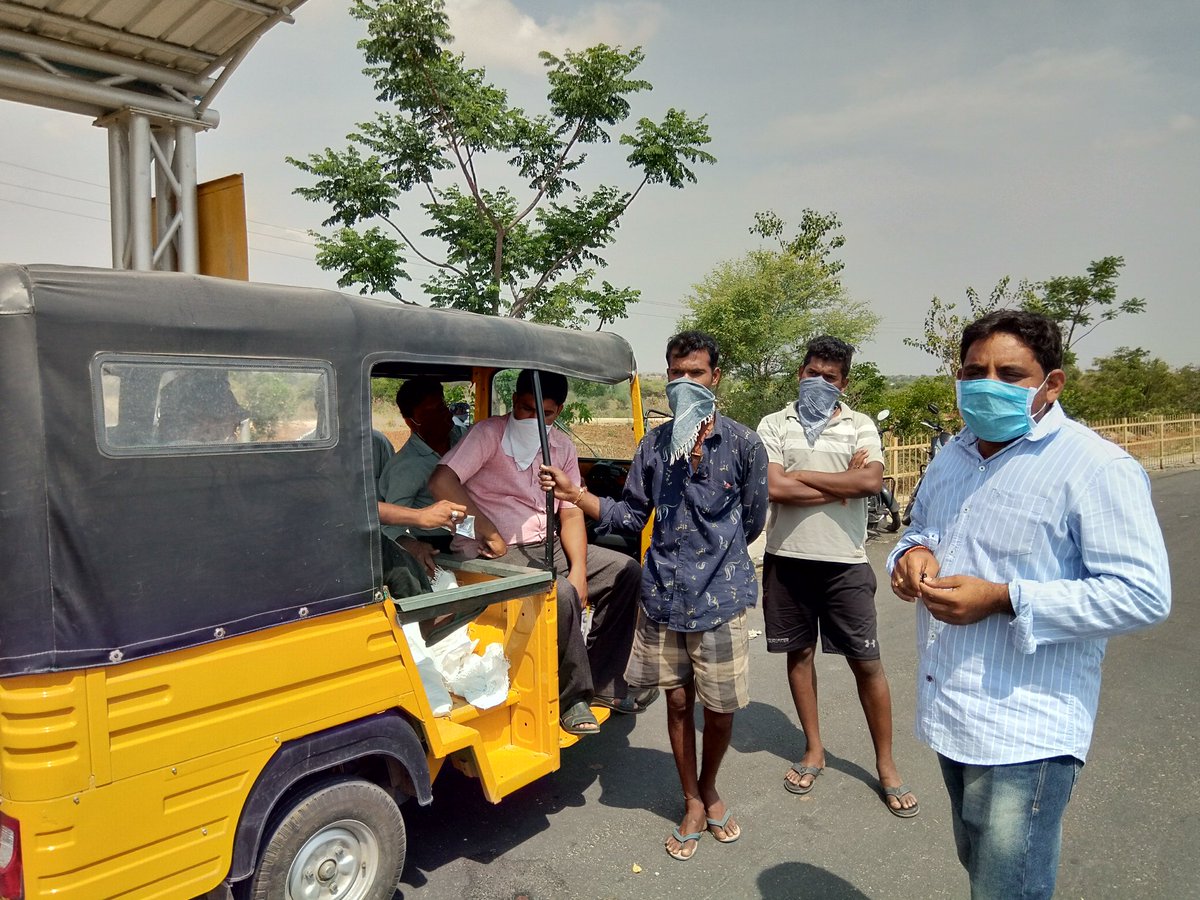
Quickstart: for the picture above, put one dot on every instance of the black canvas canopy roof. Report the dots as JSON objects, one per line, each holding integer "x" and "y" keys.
{"x": 111, "y": 558}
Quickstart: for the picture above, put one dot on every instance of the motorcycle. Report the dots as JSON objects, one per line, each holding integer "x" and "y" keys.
{"x": 941, "y": 437}
{"x": 461, "y": 413}
{"x": 883, "y": 510}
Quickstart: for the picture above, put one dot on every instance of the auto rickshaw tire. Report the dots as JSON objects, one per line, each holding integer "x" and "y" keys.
{"x": 347, "y": 833}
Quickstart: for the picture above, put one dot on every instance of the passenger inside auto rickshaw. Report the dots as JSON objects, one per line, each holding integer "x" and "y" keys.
{"x": 198, "y": 407}
{"x": 408, "y": 564}
{"x": 492, "y": 472}
{"x": 405, "y": 478}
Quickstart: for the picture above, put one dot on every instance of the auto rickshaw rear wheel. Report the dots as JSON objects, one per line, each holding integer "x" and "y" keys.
{"x": 345, "y": 840}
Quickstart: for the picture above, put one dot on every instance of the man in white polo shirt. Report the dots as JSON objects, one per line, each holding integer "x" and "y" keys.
{"x": 824, "y": 460}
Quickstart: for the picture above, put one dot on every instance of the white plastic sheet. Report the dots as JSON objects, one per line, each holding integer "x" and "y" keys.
{"x": 452, "y": 665}
{"x": 480, "y": 680}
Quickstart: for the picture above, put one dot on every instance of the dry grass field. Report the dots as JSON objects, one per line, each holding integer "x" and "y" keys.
{"x": 607, "y": 438}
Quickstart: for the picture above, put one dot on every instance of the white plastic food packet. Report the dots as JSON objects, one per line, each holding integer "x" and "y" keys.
{"x": 481, "y": 680}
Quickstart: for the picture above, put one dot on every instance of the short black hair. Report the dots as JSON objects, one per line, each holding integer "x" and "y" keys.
{"x": 416, "y": 390}
{"x": 688, "y": 342}
{"x": 1039, "y": 333}
{"x": 554, "y": 386}
{"x": 830, "y": 349}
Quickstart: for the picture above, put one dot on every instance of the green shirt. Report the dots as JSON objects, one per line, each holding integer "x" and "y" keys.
{"x": 405, "y": 482}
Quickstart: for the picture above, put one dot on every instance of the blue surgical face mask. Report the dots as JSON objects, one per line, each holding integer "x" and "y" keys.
{"x": 692, "y": 404}
{"x": 996, "y": 411}
{"x": 815, "y": 405}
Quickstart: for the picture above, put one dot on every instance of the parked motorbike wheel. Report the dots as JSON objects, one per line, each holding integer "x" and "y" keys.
{"x": 890, "y": 520}
{"x": 906, "y": 516}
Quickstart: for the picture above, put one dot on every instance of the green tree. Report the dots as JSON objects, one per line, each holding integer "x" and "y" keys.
{"x": 941, "y": 334}
{"x": 765, "y": 307}
{"x": 909, "y": 405}
{"x": 1129, "y": 382}
{"x": 269, "y": 399}
{"x": 1081, "y": 303}
{"x": 867, "y": 389}
{"x": 816, "y": 238}
{"x": 529, "y": 249}
{"x": 384, "y": 389}
{"x": 1187, "y": 389}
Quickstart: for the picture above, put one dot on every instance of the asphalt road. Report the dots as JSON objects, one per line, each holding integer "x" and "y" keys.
{"x": 1131, "y": 829}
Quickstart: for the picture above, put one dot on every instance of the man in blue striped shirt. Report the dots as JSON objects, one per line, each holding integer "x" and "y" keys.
{"x": 1033, "y": 540}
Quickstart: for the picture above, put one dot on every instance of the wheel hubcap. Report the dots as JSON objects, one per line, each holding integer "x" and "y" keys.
{"x": 339, "y": 861}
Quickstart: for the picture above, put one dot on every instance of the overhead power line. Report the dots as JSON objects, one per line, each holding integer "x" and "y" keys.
{"x": 65, "y": 212}
{"x": 15, "y": 165}
{"x": 26, "y": 187}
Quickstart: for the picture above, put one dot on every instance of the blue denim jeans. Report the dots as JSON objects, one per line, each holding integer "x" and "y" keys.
{"x": 1008, "y": 824}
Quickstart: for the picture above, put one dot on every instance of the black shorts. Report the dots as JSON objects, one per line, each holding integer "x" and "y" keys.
{"x": 802, "y": 597}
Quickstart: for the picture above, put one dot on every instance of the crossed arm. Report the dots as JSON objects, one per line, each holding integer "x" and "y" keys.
{"x": 805, "y": 487}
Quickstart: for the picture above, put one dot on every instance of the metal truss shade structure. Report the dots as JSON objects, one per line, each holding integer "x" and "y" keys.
{"x": 148, "y": 71}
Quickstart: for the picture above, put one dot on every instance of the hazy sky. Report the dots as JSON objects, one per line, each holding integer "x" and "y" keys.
{"x": 958, "y": 143}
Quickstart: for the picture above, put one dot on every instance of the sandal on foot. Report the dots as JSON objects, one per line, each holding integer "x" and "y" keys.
{"x": 683, "y": 839}
{"x": 800, "y": 770}
{"x": 721, "y": 823}
{"x": 578, "y": 720}
{"x": 628, "y": 705}
{"x": 898, "y": 792}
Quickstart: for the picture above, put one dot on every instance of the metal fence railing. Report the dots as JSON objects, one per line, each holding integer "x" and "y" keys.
{"x": 1157, "y": 442}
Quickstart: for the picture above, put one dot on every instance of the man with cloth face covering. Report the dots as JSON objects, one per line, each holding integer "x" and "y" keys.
{"x": 493, "y": 472}
{"x": 704, "y": 477}
{"x": 825, "y": 460}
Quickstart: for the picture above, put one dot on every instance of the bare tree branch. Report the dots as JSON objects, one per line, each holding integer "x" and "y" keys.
{"x": 413, "y": 248}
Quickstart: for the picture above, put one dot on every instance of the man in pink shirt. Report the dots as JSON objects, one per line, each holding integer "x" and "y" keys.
{"x": 493, "y": 470}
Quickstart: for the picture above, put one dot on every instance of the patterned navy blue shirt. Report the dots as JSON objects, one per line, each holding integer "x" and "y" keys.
{"x": 697, "y": 572}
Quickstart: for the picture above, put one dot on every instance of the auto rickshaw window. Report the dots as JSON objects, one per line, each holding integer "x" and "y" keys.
{"x": 158, "y": 405}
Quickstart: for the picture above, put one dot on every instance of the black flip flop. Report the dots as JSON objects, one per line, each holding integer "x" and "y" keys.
{"x": 898, "y": 792}
{"x": 576, "y": 719}
{"x": 629, "y": 704}
{"x": 814, "y": 771}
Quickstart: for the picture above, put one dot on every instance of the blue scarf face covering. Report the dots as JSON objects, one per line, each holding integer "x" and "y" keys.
{"x": 692, "y": 405}
{"x": 816, "y": 404}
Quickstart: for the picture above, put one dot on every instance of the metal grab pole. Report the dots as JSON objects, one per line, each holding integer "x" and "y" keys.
{"x": 545, "y": 441}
